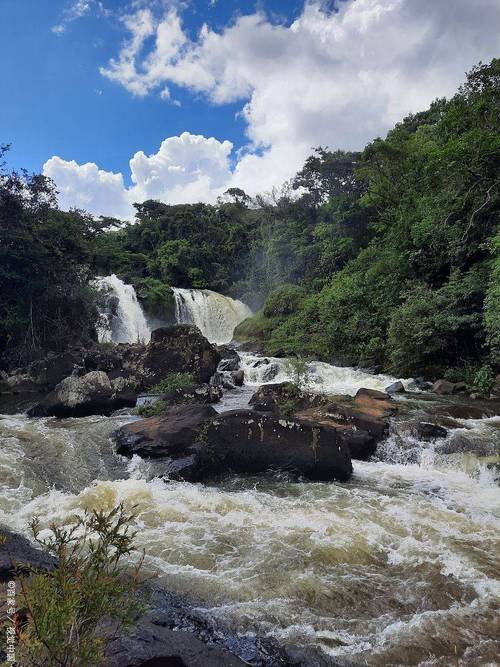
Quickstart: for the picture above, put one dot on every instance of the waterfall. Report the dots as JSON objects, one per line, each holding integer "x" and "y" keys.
{"x": 215, "y": 315}
{"x": 123, "y": 318}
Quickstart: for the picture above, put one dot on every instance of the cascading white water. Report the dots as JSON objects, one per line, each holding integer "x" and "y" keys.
{"x": 124, "y": 319}
{"x": 319, "y": 376}
{"x": 215, "y": 315}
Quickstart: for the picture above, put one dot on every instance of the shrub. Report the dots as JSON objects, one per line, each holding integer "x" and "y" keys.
{"x": 153, "y": 410}
{"x": 284, "y": 300}
{"x": 68, "y": 607}
{"x": 172, "y": 382}
{"x": 484, "y": 380}
{"x": 298, "y": 369}
{"x": 256, "y": 327}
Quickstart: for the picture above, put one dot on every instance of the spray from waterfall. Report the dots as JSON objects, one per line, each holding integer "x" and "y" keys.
{"x": 123, "y": 320}
{"x": 215, "y": 315}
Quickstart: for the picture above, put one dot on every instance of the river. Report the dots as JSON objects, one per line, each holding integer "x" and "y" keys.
{"x": 399, "y": 566}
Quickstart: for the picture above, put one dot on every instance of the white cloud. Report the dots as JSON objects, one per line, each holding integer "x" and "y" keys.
{"x": 188, "y": 168}
{"x": 76, "y": 10}
{"x": 87, "y": 187}
{"x": 331, "y": 78}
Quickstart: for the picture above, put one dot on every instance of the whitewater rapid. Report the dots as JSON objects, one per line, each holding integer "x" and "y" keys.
{"x": 397, "y": 565}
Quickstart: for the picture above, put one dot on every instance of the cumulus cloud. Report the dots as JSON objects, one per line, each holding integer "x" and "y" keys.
{"x": 188, "y": 168}
{"x": 335, "y": 78}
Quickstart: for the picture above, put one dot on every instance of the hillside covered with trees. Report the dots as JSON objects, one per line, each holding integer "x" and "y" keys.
{"x": 389, "y": 257}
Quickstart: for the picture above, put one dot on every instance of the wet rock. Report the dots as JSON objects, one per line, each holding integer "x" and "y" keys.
{"x": 275, "y": 397}
{"x": 364, "y": 419}
{"x": 443, "y": 387}
{"x": 361, "y": 444}
{"x": 202, "y": 394}
{"x": 395, "y": 388}
{"x": 55, "y": 367}
{"x": 238, "y": 377}
{"x": 227, "y": 352}
{"x": 372, "y": 394}
{"x": 249, "y": 442}
{"x": 261, "y": 362}
{"x": 197, "y": 443}
{"x": 428, "y": 431}
{"x": 75, "y": 396}
{"x": 151, "y": 645}
{"x": 17, "y": 552}
{"x": 229, "y": 364}
{"x": 181, "y": 349}
{"x": 173, "y": 435}
{"x": 419, "y": 384}
{"x": 175, "y": 632}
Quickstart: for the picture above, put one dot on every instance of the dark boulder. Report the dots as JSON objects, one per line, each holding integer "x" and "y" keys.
{"x": 428, "y": 431}
{"x": 249, "y": 442}
{"x": 17, "y": 553}
{"x": 364, "y": 419}
{"x": 196, "y": 443}
{"x": 172, "y": 435}
{"x": 395, "y": 388}
{"x": 202, "y": 394}
{"x": 274, "y": 397}
{"x": 443, "y": 387}
{"x": 372, "y": 394}
{"x": 55, "y": 367}
{"x": 231, "y": 364}
{"x": 238, "y": 377}
{"x": 179, "y": 349}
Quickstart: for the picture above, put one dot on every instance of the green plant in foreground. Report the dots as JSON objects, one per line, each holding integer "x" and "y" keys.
{"x": 172, "y": 382}
{"x": 75, "y": 609}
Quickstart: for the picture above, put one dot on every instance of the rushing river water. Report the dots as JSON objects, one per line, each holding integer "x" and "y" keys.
{"x": 399, "y": 566}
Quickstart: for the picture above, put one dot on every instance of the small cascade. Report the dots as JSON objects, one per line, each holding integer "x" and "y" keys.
{"x": 318, "y": 377}
{"x": 123, "y": 320}
{"x": 214, "y": 314}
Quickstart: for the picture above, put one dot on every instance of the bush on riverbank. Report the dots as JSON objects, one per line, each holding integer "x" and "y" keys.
{"x": 73, "y": 610}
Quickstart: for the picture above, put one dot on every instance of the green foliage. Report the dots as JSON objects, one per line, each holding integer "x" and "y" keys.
{"x": 46, "y": 264}
{"x": 298, "y": 370}
{"x": 67, "y": 608}
{"x": 172, "y": 382}
{"x": 257, "y": 327}
{"x": 156, "y": 409}
{"x": 402, "y": 244}
{"x": 284, "y": 300}
{"x": 157, "y": 298}
{"x": 437, "y": 328}
{"x": 484, "y": 380}
{"x": 492, "y": 304}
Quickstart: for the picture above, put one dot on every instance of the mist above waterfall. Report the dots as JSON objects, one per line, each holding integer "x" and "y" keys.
{"x": 214, "y": 314}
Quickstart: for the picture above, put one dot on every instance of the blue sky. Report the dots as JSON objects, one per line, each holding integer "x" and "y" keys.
{"x": 238, "y": 92}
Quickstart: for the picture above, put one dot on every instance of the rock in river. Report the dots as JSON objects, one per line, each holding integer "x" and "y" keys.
{"x": 198, "y": 443}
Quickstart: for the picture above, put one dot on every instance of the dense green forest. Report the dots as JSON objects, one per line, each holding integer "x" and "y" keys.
{"x": 389, "y": 257}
